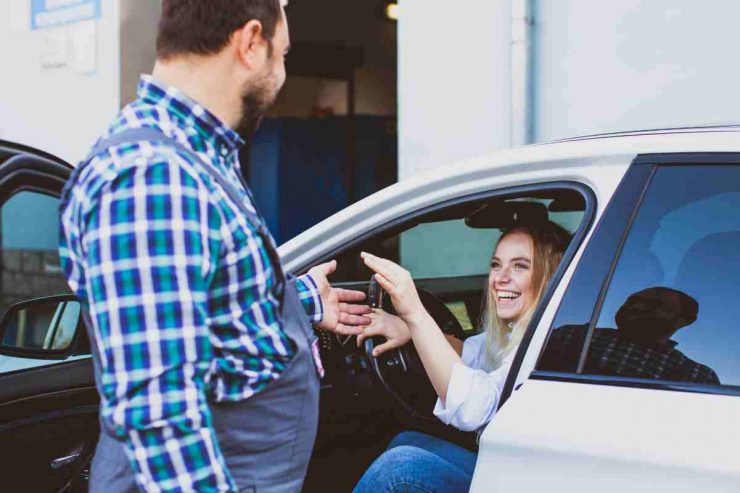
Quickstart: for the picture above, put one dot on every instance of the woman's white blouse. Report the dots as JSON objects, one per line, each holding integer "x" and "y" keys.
{"x": 473, "y": 393}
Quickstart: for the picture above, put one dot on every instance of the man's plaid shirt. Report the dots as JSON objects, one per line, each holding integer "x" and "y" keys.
{"x": 611, "y": 354}
{"x": 183, "y": 298}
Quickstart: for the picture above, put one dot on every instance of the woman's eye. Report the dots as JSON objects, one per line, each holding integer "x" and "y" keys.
{"x": 495, "y": 265}
{"x": 520, "y": 266}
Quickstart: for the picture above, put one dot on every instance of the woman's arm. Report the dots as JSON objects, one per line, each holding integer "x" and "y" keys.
{"x": 435, "y": 351}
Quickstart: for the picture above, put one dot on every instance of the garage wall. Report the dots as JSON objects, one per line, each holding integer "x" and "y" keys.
{"x": 353, "y": 24}
{"x": 138, "y": 33}
{"x": 453, "y": 71}
{"x": 634, "y": 64}
{"x": 453, "y": 103}
{"x": 59, "y": 109}
{"x": 375, "y": 94}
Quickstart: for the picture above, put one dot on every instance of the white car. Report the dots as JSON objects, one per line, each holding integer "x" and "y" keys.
{"x": 654, "y": 209}
{"x": 588, "y": 406}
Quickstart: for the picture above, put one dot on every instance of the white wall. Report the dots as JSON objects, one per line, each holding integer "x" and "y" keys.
{"x": 57, "y": 109}
{"x": 453, "y": 66}
{"x": 453, "y": 97}
{"x": 604, "y": 66}
{"x": 600, "y": 66}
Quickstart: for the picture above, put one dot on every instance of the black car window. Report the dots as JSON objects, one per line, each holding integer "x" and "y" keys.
{"x": 29, "y": 237}
{"x": 671, "y": 310}
{"x": 577, "y": 306}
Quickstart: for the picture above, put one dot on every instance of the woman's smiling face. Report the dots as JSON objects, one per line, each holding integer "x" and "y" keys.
{"x": 510, "y": 279}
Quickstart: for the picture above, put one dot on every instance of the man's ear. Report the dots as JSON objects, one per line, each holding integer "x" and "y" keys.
{"x": 250, "y": 44}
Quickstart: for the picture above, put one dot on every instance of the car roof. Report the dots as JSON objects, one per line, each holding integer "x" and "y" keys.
{"x": 651, "y": 131}
{"x": 590, "y": 147}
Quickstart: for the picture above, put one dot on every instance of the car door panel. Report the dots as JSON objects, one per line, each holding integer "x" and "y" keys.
{"x": 23, "y": 391}
{"x": 580, "y": 437}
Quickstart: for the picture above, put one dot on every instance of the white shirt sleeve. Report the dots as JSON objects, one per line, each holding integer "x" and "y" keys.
{"x": 473, "y": 394}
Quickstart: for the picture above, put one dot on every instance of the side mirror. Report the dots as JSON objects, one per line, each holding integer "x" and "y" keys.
{"x": 42, "y": 328}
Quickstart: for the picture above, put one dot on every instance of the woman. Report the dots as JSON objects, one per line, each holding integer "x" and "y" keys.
{"x": 468, "y": 377}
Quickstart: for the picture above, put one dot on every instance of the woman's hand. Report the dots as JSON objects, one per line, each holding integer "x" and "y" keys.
{"x": 397, "y": 283}
{"x": 434, "y": 350}
{"x": 389, "y": 326}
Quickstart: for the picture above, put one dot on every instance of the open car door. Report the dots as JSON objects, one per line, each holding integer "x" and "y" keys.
{"x": 48, "y": 402}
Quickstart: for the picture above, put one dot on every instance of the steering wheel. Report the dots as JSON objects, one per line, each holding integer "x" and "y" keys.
{"x": 400, "y": 370}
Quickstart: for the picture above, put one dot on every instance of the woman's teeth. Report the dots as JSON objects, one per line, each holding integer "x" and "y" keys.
{"x": 508, "y": 295}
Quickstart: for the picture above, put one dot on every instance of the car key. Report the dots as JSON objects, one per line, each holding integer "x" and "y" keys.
{"x": 374, "y": 294}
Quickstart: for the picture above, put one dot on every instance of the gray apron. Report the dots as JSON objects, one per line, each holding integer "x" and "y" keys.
{"x": 266, "y": 439}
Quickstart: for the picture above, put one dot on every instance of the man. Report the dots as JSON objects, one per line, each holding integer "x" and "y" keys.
{"x": 205, "y": 360}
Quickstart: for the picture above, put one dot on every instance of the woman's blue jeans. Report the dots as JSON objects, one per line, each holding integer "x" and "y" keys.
{"x": 419, "y": 463}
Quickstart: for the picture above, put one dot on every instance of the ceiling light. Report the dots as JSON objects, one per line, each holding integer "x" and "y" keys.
{"x": 391, "y": 11}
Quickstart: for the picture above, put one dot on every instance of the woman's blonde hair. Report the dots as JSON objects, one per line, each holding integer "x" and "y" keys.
{"x": 549, "y": 242}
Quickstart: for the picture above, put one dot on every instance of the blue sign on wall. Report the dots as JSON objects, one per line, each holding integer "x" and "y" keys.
{"x": 50, "y": 13}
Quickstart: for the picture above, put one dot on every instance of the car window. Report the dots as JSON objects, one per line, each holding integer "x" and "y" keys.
{"x": 670, "y": 310}
{"x": 446, "y": 249}
{"x": 447, "y": 257}
{"x": 29, "y": 236}
{"x": 450, "y": 250}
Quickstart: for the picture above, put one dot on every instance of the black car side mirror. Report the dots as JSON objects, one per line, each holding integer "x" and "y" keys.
{"x": 42, "y": 328}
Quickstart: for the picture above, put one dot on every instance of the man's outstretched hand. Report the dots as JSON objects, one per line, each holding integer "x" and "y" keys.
{"x": 341, "y": 314}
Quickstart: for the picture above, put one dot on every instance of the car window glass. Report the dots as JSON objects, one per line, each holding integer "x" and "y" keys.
{"x": 29, "y": 236}
{"x": 453, "y": 249}
{"x": 447, "y": 258}
{"x": 577, "y": 305}
{"x": 447, "y": 249}
{"x": 671, "y": 310}
{"x": 29, "y": 229}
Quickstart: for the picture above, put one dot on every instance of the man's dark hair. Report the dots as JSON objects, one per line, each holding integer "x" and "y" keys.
{"x": 204, "y": 27}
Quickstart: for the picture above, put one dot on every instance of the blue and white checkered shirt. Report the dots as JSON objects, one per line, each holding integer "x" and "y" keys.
{"x": 182, "y": 295}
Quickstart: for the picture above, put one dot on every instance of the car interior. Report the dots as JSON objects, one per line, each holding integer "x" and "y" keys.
{"x": 365, "y": 401}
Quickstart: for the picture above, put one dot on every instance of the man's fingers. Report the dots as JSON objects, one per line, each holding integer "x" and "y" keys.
{"x": 326, "y": 268}
{"x": 347, "y": 319}
{"x": 355, "y": 309}
{"x": 349, "y": 295}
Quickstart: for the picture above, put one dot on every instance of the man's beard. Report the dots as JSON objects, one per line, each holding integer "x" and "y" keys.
{"x": 256, "y": 101}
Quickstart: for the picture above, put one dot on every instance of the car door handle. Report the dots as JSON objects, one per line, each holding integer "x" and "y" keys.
{"x": 67, "y": 459}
